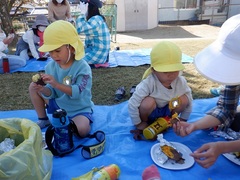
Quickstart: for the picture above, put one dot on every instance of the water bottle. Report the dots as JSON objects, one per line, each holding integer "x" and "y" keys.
{"x": 156, "y": 127}
{"x": 111, "y": 172}
{"x": 63, "y": 141}
{"x": 5, "y": 65}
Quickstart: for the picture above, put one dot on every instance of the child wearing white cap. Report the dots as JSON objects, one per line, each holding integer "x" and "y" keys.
{"x": 32, "y": 39}
{"x": 161, "y": 83}
{"x": 68, "y": 78}
{"x": 15, "y": 61}
{"x": 219, "y": 62}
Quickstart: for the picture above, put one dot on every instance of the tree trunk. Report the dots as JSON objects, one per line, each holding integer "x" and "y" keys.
{"x": 7, "y": 25}
{"x": 6, "y": 19}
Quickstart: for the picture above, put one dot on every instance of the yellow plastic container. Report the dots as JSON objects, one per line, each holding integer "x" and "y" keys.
{"x": 111, "y": 172}
{"x": 156, "y": 128}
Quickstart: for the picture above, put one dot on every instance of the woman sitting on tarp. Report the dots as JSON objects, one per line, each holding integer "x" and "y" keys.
{"x": 15, "y": 62}
{"x": 93, "y": 25}
{"x": 28, "y": 44}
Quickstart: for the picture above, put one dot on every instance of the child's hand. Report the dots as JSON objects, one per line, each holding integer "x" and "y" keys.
{"x": 48, "y": 79}
{"x": 37, "y": 87}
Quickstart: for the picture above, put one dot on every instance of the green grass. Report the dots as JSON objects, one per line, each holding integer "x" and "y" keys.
{"x": 14, "y": 87}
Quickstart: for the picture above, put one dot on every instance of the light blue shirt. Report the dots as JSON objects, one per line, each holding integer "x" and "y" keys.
{"x": 79, "y": 77}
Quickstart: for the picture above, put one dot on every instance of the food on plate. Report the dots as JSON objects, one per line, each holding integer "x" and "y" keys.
{"x": 172, "y": 153}
{"x": 38, "y": 79}
{"x": 169, "y": 150}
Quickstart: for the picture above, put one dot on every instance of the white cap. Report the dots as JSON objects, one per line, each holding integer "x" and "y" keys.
{"x": 220, "y": 61}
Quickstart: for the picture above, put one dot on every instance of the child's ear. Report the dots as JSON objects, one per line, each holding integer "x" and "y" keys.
{"x": 72, "y": 49}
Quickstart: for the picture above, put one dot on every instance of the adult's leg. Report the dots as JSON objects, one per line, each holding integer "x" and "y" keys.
{"x": 24, "y": 54}
{"x": 16, "y": 62}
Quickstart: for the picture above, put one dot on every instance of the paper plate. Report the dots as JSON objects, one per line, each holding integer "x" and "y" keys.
{"x": 232, "y": 157}
{"x": 171, "y": 164}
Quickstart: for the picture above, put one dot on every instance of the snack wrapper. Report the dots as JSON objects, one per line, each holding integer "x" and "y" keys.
{"x": 163, "y": 141}
{"x": 161, "y": 157}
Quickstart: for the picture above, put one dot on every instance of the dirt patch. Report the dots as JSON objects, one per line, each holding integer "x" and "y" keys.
{"x": 191, "y": 39}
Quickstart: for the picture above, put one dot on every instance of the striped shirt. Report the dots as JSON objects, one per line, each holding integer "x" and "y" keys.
{"x": 226, "y": 105}
{"x": 97, "y": 41}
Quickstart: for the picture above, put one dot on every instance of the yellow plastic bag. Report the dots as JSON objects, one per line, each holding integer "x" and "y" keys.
{"x": 28, "y": 160}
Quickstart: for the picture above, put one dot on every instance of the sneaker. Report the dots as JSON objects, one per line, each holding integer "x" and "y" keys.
{"x": 43, "y": 123}
{"x": 132, "y": 90}
{"x": 120, "y": 93}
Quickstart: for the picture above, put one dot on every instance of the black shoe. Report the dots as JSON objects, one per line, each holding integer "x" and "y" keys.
{"x": 120, "y": 93}
{"x": 132, "y": 90}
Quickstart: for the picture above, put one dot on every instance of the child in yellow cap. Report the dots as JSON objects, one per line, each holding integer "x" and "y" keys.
{"x": 68, "y": 79}
{"x": 161, "y": 83}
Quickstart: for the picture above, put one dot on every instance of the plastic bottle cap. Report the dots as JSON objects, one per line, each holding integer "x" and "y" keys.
{"x": 113, "y": 171}
{"x": 148, "y": 133}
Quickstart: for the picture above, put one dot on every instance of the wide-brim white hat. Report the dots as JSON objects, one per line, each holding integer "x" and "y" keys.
{"x": 220, "y": 61}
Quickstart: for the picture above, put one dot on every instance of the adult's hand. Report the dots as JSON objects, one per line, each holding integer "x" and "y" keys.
{"x": 207, "y": 154}
{"x": 182, "y": 128}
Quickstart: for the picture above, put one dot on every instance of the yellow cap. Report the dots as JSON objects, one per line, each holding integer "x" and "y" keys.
{"x": 165, "y": 57}
{"x": 61, "y": 33}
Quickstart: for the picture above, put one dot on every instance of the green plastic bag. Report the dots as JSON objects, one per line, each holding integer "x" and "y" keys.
{"x": 28, "y": 160}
